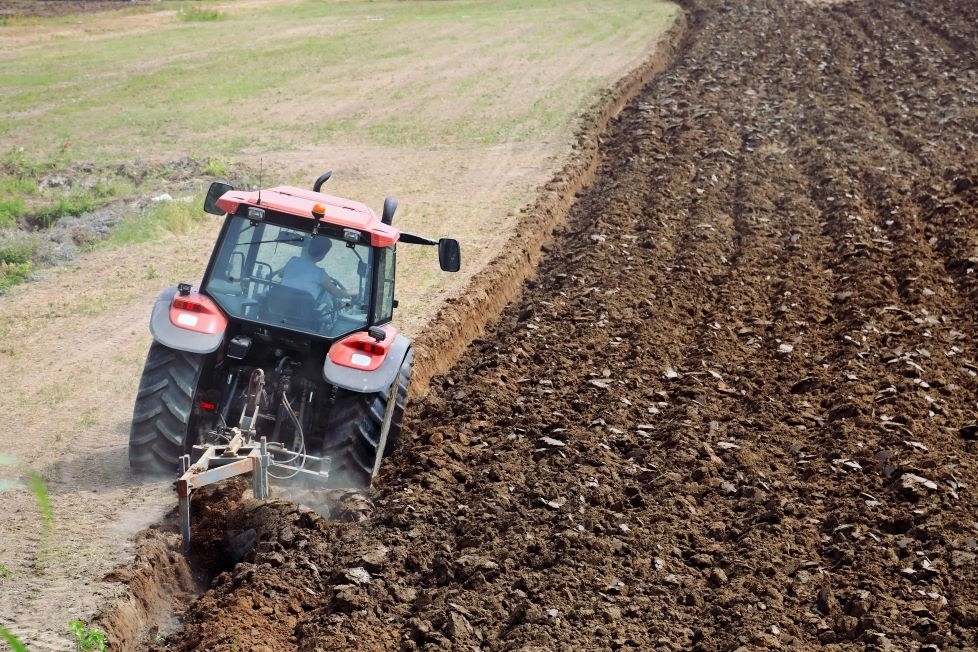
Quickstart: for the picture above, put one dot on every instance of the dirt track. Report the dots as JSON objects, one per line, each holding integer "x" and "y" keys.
{"x": 35, "y": 8}
{"x": 735, "y": 409}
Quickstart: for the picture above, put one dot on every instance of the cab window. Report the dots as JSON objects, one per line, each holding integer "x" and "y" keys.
{"x": 384, "y": 305}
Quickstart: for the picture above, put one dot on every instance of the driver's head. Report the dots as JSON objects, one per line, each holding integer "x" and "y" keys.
{"x": 318, "y": 247}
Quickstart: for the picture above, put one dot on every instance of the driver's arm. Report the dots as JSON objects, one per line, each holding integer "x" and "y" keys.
{"x": 334, "y": 288}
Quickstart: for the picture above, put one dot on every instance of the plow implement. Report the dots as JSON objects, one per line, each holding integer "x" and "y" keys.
{"x": 239, "y": 457}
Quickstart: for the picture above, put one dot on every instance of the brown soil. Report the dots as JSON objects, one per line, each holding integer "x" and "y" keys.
{"x": 25, "y": 8}
{"x": 735, "y": 409}
{"x": 72, "y": 344}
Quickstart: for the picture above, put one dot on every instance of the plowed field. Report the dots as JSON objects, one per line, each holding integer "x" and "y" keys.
{"x": 734, "y": 409}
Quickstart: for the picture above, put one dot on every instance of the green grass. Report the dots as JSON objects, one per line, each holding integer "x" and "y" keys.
{"x": 88, "y": 418}
{"x": 198, "y": 14}
{"x": 12, "y": 274}
{"x": 88, "y": 638}
{"x": 178, "y": 216}
{"x": 36, "y": 193}
{"x": 48, "y": 214}
{"x": 12, "y": 641}
{"x": 11, "y": 209}
{"x": 311, "y": 64}
{"x": 16, "y": 262}
{"x": 217, "y": 168}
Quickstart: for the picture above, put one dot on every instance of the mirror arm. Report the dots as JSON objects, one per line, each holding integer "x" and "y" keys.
{"x": 410, "y": 238}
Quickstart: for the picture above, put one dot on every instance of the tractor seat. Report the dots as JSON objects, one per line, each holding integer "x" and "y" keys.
{"x": 287, "y": 306}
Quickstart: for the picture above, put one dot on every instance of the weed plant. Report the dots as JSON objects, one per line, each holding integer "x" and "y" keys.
{"x": 200, "y": 15}
{"x": 177, "y": 216}
{"x": 35, "y": 484}
{"x": 16, "y": 262}
{"x": 88, "y": 639}
{"x": 36, "y": 194}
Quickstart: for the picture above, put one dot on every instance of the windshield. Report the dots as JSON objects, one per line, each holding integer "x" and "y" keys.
{"x": 291, "y": 279}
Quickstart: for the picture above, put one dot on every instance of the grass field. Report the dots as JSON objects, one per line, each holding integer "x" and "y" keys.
{"x": 460, "y": 108}
{"x": 431, "y": 101}
{"x": 221, "y": 79}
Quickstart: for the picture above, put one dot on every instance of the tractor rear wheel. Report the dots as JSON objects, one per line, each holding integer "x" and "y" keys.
{"x": 355, "y": 426}
{"x": 164, "y": 407}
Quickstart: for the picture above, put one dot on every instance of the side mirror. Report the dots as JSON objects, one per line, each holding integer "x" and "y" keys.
{"x": 449, "y": 255}
{"x": 215, "y": 192}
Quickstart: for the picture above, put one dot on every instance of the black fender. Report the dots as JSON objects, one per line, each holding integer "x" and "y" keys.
{"x": 368, "y": 381}
{"x": 202, "y": 330}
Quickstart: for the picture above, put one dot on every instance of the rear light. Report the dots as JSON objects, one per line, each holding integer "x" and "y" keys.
{"x": 183, "y": 303}
{"x": 361, "y": 350}
{"x": 370, "y": 347}
{"x": 207, "y": 406}
{"x": 196, "y": 312}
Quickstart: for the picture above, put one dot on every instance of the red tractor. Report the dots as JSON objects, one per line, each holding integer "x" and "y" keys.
{"x": 287, "y": 340}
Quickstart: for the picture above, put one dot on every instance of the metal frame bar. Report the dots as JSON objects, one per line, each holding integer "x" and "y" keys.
{"x": 385, "y": 426}
{"x": 228, "y": 464}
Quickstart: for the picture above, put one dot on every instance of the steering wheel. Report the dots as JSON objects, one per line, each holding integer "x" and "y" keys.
{"x": 339, "y": 286}
{"x": 327, "y": 307}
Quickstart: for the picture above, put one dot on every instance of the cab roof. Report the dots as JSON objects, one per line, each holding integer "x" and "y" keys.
{"x": 300, "y": 202}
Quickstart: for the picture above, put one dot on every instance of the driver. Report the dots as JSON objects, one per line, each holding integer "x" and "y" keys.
{"x": 303, "y": 272}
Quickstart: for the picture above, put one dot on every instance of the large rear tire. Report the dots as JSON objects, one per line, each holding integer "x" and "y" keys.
{"x": 355, "y": 426}
{"x": 163, "y": 411}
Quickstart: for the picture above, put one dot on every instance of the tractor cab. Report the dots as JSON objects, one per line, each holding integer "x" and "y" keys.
{"x": 299, "y": 260}
{"x": 277, "y": 274}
